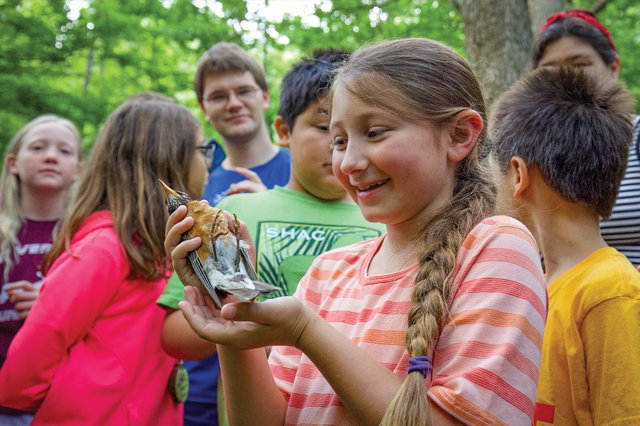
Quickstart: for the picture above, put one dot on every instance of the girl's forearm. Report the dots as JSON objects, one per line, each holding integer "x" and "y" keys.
{"x": 180, "y": 341}
{"x": 250, "y": 392}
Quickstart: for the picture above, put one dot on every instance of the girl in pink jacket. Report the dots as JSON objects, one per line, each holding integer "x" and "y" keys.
{"x": 89, "y": 352}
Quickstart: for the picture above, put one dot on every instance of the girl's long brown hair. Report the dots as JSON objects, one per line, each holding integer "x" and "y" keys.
{"x": 423, "y": 80}
{"x": 141, "y": 142}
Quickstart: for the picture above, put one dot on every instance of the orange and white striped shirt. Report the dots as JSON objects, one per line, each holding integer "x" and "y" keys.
{"x": 486, "y": 361}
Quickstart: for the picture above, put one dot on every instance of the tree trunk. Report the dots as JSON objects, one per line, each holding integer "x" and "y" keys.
{"x": 539, "y": 11}
{"x": 87, "y": 73}
{"x": 497, "y": 41}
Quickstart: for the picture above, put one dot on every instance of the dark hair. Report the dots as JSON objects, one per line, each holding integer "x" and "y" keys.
{"x": 574, "y": 129}
{"x": 307, "y": 82}
{"x": 576, "y": 27}
{"x": 141, "y": 142}
{"x": 426, "y": 81}
{"x": 227, "y": 57}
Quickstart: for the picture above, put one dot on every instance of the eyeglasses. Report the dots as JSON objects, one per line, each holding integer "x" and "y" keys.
{"x": 208, "y": 149}
{"x": 243, "y": 94}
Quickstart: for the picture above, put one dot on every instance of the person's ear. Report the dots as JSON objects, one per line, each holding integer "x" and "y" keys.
{"x": 464, "y": 131}
{"x": 283, "y": 131}
{"x": 615, "y": 68}
{"x": 265, "y": 99}
{"x": 521, "y": 176}
{"x": 10, "y": 163}
{"x": 204, "y": 112}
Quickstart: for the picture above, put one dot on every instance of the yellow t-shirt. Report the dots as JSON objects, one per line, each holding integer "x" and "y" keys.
{"x": 590, "y": 370}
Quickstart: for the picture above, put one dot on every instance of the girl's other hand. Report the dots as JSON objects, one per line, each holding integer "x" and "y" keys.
{"x": 23, "y": 295}
{"x": 179, "y": 223}
{"x": 247, "y": 325}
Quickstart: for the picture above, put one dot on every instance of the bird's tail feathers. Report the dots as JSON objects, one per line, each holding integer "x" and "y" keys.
{"x": 265, "y": 288}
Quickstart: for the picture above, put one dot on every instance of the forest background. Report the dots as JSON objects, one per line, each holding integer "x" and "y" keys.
{"x": 82, "y": 58}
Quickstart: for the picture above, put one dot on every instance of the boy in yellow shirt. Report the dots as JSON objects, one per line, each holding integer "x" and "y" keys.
{"x": 561, "y": 142}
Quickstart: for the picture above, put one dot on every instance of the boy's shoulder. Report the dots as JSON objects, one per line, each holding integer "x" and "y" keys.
{"x": 277, "y": 198}
{"x": 244, "y": 199}
{"x": 604, "y": 275}
{"x": 281, "y": 199}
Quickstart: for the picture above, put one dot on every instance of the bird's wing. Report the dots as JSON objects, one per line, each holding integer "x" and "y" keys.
{"x": 261, "y": 286}
{"x": 198, "y": 268}
{"x": 246, "y": 260}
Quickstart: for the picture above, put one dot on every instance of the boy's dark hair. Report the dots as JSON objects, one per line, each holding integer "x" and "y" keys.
{"x": 307, "y": 82}
{"x": 227, "y": 57}
{"x": 574, "y": 129}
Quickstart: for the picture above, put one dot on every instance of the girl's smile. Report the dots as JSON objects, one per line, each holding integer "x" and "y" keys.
{"x": 367, "y": 192}
{"x": 375, "y": 157}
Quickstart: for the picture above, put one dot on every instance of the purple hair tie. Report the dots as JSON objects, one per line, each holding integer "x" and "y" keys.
{"x": 420, "y": 363}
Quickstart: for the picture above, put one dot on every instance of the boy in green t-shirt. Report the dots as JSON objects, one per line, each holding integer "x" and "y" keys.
{"x": 561, "y": 142}
{"x": 290, "y": 225}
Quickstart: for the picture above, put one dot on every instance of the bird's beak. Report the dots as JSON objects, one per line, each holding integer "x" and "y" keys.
{"x": 167, "y": 191}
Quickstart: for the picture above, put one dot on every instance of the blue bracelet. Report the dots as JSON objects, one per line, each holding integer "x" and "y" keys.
{"x": 420, "y": 363}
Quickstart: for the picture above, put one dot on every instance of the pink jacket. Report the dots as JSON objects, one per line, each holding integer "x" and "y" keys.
{"x": 89, "y": 352}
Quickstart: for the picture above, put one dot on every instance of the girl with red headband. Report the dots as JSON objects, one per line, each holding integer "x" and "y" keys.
{"x": 577, "y": 38}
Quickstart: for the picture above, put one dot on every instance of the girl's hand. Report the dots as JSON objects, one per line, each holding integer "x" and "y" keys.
{"x": 23, "y": 295}
{"x": 247, "y": 325}
{"x": 177, "y": 224}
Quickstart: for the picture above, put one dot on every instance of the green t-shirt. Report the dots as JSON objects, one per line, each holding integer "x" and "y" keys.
{"x": 173, "y": 293}
{"x": 289, "y": 229}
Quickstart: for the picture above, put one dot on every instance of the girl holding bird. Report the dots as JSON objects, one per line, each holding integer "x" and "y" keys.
{"x": 440, "y": 320}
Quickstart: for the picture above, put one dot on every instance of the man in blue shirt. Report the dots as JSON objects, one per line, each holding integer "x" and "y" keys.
{"x": 232, "y": 90}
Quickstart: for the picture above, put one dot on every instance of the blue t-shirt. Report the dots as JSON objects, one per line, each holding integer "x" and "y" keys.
{"x": 218, "y": 154}
{"x": 274, "y": 172}
{"x": 201, "y": 407}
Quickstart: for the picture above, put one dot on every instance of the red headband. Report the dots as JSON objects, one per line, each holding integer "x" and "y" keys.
{"x": 585, "y": 15}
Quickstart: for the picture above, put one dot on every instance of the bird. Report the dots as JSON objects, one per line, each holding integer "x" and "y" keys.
{"x": 221, "y": 262}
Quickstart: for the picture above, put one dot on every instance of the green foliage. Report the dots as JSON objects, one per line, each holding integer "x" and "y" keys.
{"x": 83, "y": 66}
{"x": 349, "y": 24}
